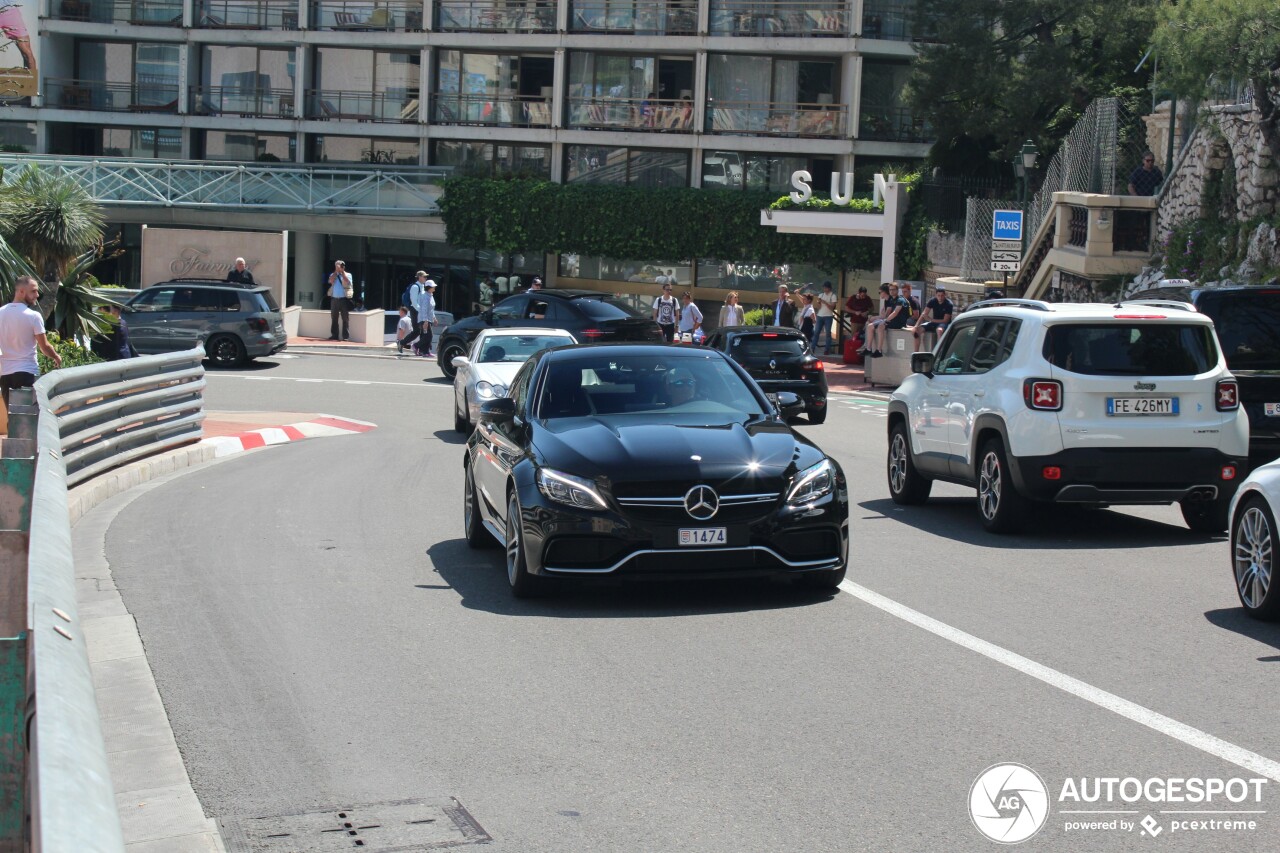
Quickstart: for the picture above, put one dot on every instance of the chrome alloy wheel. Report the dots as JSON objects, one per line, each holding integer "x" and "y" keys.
{"x": 1253, "y": 557}
{"x": 898, "y": 463}
{"x": 990, "y": 485}
{"x": 468, "y": 499}
{"x": 513, "y": 543}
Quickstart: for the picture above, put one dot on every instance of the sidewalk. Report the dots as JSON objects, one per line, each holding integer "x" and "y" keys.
{"x": 844, "y": 377}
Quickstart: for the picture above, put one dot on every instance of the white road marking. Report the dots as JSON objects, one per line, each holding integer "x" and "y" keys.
{"x": 1188, "y": 735}
{"x": 337, "y": 381}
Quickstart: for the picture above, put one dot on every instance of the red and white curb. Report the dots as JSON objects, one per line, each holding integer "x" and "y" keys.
{"x": 319, "y": 427}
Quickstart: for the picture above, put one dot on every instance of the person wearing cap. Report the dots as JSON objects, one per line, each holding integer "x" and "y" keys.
{"x": 426, "y": 315}
{"x": 936, "y": 315}
{"x": 413, "y": 295}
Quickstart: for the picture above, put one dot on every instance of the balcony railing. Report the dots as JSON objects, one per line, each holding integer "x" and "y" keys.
{"x": 817, "y": 120}
{"x": 894, "y": 21}
{"x": 362, "y": 106}
{"x": 634, "y": 17}
{"x": 892, "y": 124}
{"x": 1078, "y": 227}
{"x": 379, "y": 190}
{"x": 247, "y": 14}
{"x": 111, "y": 97}
{"x": 484, "y": 16}
{"x": 506, "y": 111}
{"x": 779, "y": 18}
{"x": 630, "y": 113}
{"x": 230, "y": 100}
{"x": 397, "y": 15}
{"x": 150, "y": 13}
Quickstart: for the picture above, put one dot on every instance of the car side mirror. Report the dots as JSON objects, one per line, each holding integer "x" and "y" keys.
{"x": 789, "y": 405}
{"x": 460, "y": 361}
{"x": 922, "y": 362}
{"x": 499, "y": 411}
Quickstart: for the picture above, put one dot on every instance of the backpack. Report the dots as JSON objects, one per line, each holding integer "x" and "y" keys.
{"x": 405, "y": 299}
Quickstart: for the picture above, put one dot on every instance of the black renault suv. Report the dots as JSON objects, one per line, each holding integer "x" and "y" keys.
{"x": 778, "y": 359}
{"x": 1247, "y": 319}
{"x": 589, "y": 316}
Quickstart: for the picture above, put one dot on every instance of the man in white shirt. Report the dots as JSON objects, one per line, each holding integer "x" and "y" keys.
{"x": 340, "y": 292}
{"x": 21, "y": 332}
{"x": 827, "y": 302}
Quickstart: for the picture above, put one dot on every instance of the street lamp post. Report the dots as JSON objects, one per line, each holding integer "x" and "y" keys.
{"x": 1023, "y": 163}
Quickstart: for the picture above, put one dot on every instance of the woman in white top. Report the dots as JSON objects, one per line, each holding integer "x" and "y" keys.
{"x": 731, "y": 314}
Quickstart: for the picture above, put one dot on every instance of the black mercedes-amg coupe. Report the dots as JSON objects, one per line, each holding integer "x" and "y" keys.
{"x": 652, "y": 460}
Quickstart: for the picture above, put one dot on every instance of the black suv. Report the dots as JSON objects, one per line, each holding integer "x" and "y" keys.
{"x": 1247, "y": 319}
{"x": 235, "y": 323}
{"x": 778, "y": 358}
{"x": 589, "y": 316}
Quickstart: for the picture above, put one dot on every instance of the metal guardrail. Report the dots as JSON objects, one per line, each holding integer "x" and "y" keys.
{"x": 374, "y": 189}
{"x": 85, "y": 419}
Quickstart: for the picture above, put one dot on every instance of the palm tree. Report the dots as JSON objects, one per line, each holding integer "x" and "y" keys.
{"x": 49, "y": 219}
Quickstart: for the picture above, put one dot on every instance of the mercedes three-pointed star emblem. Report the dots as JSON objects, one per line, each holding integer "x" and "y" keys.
{"x": 702, "y": 503}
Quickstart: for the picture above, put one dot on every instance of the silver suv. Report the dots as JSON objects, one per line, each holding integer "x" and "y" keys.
{"x": 235, "y": 323}
{"x": 1077, "y": 404}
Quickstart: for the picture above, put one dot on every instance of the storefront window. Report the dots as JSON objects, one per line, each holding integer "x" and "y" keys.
{"x": 246, "y": 147}
{"x": 679, "y": 273}
{"x": 639, "y": 166}
{"x": 362, "y": 149}
{"x": 749, "y": 277}
{"x": 486, "y": 159}
{"x": 737, "y": 170}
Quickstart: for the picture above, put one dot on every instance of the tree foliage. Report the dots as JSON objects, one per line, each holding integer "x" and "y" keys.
{"x": 51, "y": 220}
{"x": 1202, "y": 43}
{"x": 534, "y": 215}
{"x": 1004, "y": 72}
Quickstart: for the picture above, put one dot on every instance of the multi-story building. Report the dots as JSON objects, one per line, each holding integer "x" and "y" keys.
{"x": 710, "y": 93}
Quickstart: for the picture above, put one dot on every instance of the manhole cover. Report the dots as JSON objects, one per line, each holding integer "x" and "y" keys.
{"x": 401, "y": 825}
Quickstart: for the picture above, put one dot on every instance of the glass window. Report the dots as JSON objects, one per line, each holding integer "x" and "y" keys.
{"x": 516, "y": 349}
{"x": 361, "y": 149}
{"x": 154, "y": 299}
{"x": 486, "y": 158}
{"x": 988, "y": 346}
{"x": 606, "y": 308}
{"x": 1248, "y": 327}
{"x": 616, "y": 385}
{"x": 510, "y": 309}
{"x": 756, "y": 346}
{"x": 248, "y": 146}
{"x": 639, "y": 166}
{"x": 954, "y": 355}
{"x": 658, "y": 168}
{"x": 1148, "y": 349}
{"x": 17, "y": 137}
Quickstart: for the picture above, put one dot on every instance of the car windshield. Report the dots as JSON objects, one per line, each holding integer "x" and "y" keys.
{"x": 646, "y": 385}
{"x": 607, "y": 308}
{"x": 516, "y": 349}
{"x": 765, "y": 346}
{"x": 1147, "y": 349}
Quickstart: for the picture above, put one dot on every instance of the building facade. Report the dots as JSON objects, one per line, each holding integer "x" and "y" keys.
{"x": 704, "y": 93}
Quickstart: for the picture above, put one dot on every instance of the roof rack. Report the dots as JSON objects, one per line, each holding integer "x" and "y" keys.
{"x": 1036, "y": 304}
{"x": 1160, "y": 303}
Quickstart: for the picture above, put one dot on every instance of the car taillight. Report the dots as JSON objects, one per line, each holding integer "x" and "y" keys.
{"x": 1228, "y": 396}
{"x": 769, "y": 335}
{"x": 258, "y": 324}
{"x": 592, "y": 334}
{"x": 813, "y": 365}
{"x": 1228, "y": 472}
{"x": 1042, "y": 394}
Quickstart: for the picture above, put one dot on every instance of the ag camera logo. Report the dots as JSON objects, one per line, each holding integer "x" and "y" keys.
{"x": 1008, "y": 803}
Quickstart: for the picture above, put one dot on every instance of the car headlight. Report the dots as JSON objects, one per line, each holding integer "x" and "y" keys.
{"x": 569, "y": 490}
{"x": 812, "y": 483}
{"x": 487, "y": 390}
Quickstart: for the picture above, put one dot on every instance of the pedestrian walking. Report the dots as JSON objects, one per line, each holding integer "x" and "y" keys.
{"x": 828, "y": 305}
{"x": 732, "y": 314}
{"x": 691, "y": 319}
{"x": 426, "y": 316}
{"x": 112, "y": 344}
{"x": 240, "y": 274}
{"x": 413, "y": 295}
{"x": 21, "y": 334}
{"x": 808, "y": 317}
{"x": 666, "y": 312}
{"x": 404, "y": 329}
{"x": 341, "y": 292}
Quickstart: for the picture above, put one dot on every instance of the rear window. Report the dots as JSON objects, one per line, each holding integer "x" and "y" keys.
{"x": 1248, "y": 326}
{"x": 758, "y": 346}
{"x": 265, "y": 297}
{"x": 607, "y": 309}
{"x": 1147, "y": 349}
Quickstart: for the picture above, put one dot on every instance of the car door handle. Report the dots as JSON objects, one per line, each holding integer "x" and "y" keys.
{"x": 944, "y": 393}
{"x": 980, "y": 393}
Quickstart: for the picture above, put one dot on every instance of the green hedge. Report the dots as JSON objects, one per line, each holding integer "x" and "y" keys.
{"x": 600, "y": 220}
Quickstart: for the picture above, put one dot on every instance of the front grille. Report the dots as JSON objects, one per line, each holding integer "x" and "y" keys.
{"x": 808, "y": 544}
{"x": 583, "y": 552}
{"x": 734, "y": 509}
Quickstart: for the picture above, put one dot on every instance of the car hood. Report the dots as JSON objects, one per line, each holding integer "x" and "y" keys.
{"x": 497, "y": 372}
{"x": 631, "y": 448}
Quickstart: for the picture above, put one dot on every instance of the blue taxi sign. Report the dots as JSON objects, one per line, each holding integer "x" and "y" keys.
{"x": 1006, "y": 225}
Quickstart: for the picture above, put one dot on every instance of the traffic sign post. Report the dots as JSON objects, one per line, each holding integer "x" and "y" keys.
{"x": 1006, "y": 243}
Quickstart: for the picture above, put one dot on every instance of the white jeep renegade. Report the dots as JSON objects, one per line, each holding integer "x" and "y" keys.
{"x": 1082, "y": 404}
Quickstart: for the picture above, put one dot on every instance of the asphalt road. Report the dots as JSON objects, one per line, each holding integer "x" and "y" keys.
{"x": 321, "y": 634}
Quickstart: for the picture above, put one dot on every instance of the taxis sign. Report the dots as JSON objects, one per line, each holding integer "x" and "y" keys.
{"x": 1006, "y": 225}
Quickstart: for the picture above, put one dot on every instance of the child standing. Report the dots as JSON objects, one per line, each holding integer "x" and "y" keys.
{"x": 403, "y": 327}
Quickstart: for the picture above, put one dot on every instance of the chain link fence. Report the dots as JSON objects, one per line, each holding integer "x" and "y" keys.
{"x": 1097, "y": 156}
